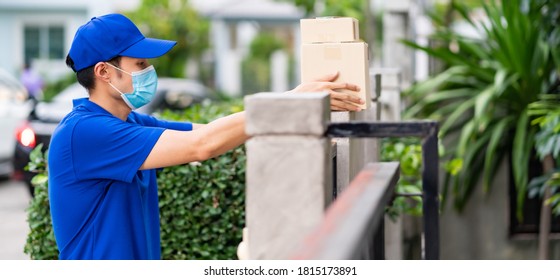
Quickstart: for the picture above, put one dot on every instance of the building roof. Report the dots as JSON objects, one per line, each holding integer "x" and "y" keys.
{"x": 240, "y": 10}
{"x": 65, "y": 5}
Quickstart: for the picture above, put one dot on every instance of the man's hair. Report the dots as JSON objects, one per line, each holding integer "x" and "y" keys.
{"x": 86, "y": 77}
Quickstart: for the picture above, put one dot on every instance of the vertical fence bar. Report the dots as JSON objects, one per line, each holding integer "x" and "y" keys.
{"x": 430, "y": 195}
{"x": 335, "y": 192}
{"x": 379, "y": 241}
{"x": 334, "y": 153}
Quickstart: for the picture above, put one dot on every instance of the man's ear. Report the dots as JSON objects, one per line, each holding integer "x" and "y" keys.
{"x": 102, "y": 72}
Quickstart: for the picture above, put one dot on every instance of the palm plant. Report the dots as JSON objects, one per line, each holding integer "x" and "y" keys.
{"x": 483, "y": 95}
{"x": 546, "y": 113}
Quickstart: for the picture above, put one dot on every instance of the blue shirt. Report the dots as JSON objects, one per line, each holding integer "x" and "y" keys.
{"x": 102, "y": 206}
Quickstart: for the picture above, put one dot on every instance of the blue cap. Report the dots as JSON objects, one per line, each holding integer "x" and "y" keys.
{"x": 108, "y": 36}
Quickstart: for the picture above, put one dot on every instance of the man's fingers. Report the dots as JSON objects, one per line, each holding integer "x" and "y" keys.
{"x": 344, "y": 86}
{"x": 328, "y": 78}
{"x": 343, "y": 96}
{"x": 336, "y": 108}
{"x": 344, "y": 106}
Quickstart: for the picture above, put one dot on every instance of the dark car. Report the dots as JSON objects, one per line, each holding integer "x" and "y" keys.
{"x": 172, "y": 93}
{"x": 14, "y": 107}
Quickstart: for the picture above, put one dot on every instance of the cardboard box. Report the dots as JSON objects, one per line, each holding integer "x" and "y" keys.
{"x": 329, "y": 30}
{"x": 350, "y": 59}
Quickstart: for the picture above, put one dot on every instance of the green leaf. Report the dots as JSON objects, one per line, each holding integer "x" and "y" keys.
{"x": 496, "y": 140}
{"x": 456, "y": 115}
{"x": 468, "y": 134}
{"x": 522, "y": 145}
{"x": 472, "y": 166}
{"x": 446, "y": 95}
{"x": 39, "y": 179}
{"x": 482, "y": 101}
{"x": 36, "y": 154}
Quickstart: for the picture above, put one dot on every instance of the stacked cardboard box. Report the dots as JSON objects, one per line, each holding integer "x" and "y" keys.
{"x": 332, "y": 44}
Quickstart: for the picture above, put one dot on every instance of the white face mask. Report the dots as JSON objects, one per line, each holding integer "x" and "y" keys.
{"x": 144, "y": 84}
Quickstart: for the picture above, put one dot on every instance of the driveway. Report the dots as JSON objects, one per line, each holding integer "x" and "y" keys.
{"x": 14, "y": 199}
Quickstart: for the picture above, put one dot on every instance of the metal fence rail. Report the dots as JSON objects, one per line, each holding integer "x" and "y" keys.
{"x": 428, "y": 131}
{"x": 353, "y": 224}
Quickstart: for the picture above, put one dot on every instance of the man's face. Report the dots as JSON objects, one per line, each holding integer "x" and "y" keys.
{"x": 122, "y": 80}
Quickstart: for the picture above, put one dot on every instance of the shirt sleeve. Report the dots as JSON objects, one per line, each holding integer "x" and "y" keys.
{"x": 183, "y": 126}
{"x": 110, "y": 148}
{"x": 152, "y": 121}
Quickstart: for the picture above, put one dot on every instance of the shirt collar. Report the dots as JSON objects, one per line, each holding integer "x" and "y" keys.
{"x": 90, "y": 106}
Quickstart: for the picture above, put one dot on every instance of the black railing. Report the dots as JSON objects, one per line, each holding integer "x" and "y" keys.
{"x": 352, "y": 227}
{"x": 334, "y": 170}
{"x": 428, "y": 131}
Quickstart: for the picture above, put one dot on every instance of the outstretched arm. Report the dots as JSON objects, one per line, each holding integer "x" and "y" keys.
{"x": 211, "y": 140}
{"x": 205, "y": 142}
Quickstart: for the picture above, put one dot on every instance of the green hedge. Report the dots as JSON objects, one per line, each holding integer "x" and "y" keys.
{"x": 202, "y": 206}
{"x": 408, "y": 152}
{"x": 40, "y": 244}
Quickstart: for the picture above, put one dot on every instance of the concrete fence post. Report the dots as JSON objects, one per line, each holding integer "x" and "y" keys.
{"x": 372, "y": 145}
{"x": 288, "y": 170}
{"x": 398, "y": 19}
{"x": 390, "y": 110}
{"x": 354, "y": 153}
{"x": 390, "y": 97}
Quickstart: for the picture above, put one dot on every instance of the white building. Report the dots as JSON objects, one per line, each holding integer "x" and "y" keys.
{"x": 42, "y": 31}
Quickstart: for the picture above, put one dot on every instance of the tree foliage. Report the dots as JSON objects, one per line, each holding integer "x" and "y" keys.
{"x": 255, "y": 67}
{"x": 173, "y": 20}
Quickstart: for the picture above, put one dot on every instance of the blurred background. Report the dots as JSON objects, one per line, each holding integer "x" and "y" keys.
{"x": 498, "y": 58}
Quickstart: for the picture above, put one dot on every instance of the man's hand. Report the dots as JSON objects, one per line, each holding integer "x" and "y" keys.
{"x": 340, "y": 101}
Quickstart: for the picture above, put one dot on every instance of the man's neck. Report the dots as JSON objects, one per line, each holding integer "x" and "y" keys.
{"x": 116, "y": 107}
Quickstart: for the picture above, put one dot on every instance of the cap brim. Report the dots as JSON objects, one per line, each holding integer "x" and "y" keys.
{"x": 149, "y": 48}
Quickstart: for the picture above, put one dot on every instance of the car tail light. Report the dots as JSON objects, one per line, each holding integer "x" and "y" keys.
{"x": 26, "y": 136}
